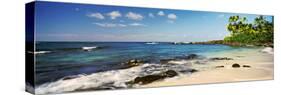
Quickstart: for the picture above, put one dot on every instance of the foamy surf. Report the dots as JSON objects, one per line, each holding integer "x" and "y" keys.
{"x": 268, "y": 50}
{"x": 113, "y": 79}
{"x": 41, "y": 52}
{"x": 151, "y": 43}
{"x": 89, "y": 48}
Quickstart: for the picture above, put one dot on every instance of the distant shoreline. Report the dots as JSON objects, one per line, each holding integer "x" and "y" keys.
{"x": 233, "y": 43}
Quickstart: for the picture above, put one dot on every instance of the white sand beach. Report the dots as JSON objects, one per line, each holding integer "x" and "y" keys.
{"x": 220, "y": 71}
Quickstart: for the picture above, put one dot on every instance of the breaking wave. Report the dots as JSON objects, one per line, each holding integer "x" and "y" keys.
{"x": 113, "y": 79}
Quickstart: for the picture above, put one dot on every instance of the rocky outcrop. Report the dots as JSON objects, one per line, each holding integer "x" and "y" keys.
{"x": 151, "y": 78}
{"x": 180, "y": 58}
{"x": 221, "y": 58}
{"x": 132, "y": 63}
{"x": 192, "y": 56}
{"x": 219, "y": 67}
{"x": 163, "y": 61}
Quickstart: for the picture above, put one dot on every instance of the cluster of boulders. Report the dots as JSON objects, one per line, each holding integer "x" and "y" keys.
{"x": 221, "y": 58}
{"x": 238, "y": 66}
{"x": 151, "y": 78}
{"x": 235, "y": 65}
{"x": 169, "y": 73}
{"x": 178, "y": 58}
{"x": 192, "y": 56}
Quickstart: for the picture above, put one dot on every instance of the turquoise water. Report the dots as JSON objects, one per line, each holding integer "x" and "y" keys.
{"x": 62, "y": 59}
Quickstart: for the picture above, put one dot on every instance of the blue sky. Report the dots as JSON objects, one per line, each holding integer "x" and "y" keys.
{"x": 83, "y": 22}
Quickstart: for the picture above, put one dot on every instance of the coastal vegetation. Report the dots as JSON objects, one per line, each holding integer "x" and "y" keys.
{"x": 245, "y": 33}
{"x": 258, "y": 32}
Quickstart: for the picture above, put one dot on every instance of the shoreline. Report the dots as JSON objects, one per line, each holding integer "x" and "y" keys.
{"x": 212, "y": 67}
{"x": 221, "y": 71}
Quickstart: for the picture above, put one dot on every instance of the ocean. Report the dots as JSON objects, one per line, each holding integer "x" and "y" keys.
{"x": 57, "y": 60}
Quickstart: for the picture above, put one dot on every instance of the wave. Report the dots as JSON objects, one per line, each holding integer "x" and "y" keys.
{"x": 89, "y": 48}
{"x": 86, "y": 48}
{"x": 151, "y": 43}
{"x": 268, "y": 50}
{"x": 41, "y": 52}
{"x": 113, "y": 79}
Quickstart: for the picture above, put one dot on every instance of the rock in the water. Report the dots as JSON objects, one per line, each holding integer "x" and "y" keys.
{"x": 151, "y": 78}
{"x": 192, "y": 56}
{"x": 221, "y": 58}
{"x": 132, "y": 63}
{"x": 235, "y": 65}
{"x": 163, "y": 61}
{"x": 246, "y": 66}
{"x": 193, "y": 70}
{"x": 69, "y": 77}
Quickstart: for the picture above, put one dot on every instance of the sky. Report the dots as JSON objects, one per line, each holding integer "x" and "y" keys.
{"x": 86, "y": 22}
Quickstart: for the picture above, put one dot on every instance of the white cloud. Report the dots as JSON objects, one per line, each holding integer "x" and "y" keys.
{"x": 172, "y": 16}
{"x": 96, "y": 15}
{"x": 134, "y": 16}
{"x": 122, "y": 25}
{"x": 113, "y": 25}
{"x": 161, "y": 13}
{"x": 110, "y": 25}
{"x": 114, "y": 14}
{"x": 136, "y": 24}
{"x": 151, "y": 15}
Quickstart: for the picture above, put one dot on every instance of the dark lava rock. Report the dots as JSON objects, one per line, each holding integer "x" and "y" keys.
{"x": 235, "y": 65}
{"x": 69, "y": 77}
{"x": 189, "y": 71}
{"x": 151, "y": 78}
{"x": 193, "y": 70}
{"x": 219, "y": 67}
{"x": 221, "y": 58}
{"x": 246, "y": 66}
{"x": 163, "y": 61}
{"x": 192, "y": 56}
{"x": 132, "y": 63}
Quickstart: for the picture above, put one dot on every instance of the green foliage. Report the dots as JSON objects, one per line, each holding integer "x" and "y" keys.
{"x": 259, "y": 32}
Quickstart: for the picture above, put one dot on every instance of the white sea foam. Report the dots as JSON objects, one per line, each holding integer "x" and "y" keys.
{"x": 109, "y": 79}
{"x": 151, "y": 43}
{"x": 178, "y": 61}
{"x": 41, "y": 52}
{"x": 268, "y": 50}
{"x": 89, "y": 48}
{"x": 117, "y": 78}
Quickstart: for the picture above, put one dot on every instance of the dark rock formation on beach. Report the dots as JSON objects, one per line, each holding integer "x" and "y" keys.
{"x": 193, "y": 71}
{"x": 235, "y": 65}
{"x": 151, "y": 78}
{"x": 221, "y": 58}
{"x": 69, "y": 77}
{"x": 163, "y": 61}
{"x": 219, "y": 67}
{"x": 246, "y": 66}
